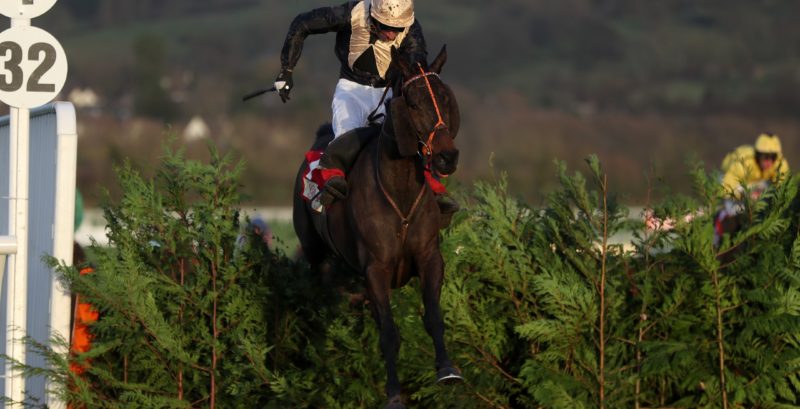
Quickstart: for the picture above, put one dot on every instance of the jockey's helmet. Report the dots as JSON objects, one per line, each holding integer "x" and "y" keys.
{"x": 393, "y": 13}
{"x": 768, "y": 143}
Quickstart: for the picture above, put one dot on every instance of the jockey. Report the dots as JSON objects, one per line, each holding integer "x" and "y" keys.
{"x": 366, "y": 31}
{"x": 751, "y": 165}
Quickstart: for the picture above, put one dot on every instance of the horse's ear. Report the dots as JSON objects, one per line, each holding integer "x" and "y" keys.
{"x": 400, "y": 62}
{"x": 436, "y": 65}
{"x": 404, "y": 135}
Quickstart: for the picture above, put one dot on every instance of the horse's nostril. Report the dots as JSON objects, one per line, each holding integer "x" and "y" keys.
{"x": 447, "y": 161}
{"x": 450, "y": 157}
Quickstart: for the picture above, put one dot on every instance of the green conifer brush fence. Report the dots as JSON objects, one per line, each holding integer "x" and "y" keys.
{"x": 543, "y": 309}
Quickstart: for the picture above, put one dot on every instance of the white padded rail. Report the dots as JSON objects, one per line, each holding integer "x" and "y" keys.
{"x": 51, "y": 212}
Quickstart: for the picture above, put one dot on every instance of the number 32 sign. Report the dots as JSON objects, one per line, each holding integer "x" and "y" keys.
{"x": 33, "y": 66}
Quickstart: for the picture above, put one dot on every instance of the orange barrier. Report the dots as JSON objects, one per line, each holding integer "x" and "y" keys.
{"x": 84, "y": 316}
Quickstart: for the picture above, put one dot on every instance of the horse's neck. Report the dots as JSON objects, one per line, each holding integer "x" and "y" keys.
{"x": 401, "y": 177}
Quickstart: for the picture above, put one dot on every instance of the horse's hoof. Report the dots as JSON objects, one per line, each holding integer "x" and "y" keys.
{"x": 448, "y": 375}
{"x": 395, "y": 403}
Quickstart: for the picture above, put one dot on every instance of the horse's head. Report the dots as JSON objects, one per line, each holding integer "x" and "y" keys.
{"x": 424, "y": 114}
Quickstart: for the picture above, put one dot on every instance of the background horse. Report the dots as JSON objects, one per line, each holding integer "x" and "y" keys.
{"x": 388, "y": 226}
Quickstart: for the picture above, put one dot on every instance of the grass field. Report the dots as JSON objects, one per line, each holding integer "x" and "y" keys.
{"x": 284, "y": 238}
{"x": 278, "y": 219}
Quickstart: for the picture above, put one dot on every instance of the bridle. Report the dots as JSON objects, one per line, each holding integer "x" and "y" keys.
{"x": 426, "y": 152}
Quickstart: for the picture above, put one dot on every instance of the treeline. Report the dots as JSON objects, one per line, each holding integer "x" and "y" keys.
{"x": 97, "y": 13}
{"x": 542, "y": 310}
{"x": 674, "y": 56}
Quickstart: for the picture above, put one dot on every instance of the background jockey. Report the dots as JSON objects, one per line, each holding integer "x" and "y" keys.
{"x": 752, "y": 168}
{"x": 365, "y": 31}
{"x": 751, "y": 165}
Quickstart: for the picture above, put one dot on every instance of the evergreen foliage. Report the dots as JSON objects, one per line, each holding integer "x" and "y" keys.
{"x": 544, "y": 307}
{"x": 532, "y": 286}
{"x": 183, "y": 318}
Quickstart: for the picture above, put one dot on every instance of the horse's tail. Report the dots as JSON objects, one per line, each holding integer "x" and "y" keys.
{"x": 324, "y": 137}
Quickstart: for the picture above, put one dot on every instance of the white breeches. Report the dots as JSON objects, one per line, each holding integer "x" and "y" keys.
{"x": 352, "y": 104}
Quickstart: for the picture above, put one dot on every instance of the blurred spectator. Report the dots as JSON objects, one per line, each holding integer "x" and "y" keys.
{"x": 257, "y": 227}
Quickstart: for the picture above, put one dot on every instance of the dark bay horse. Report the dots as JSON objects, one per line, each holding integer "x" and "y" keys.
{"x": 388, "y": 226}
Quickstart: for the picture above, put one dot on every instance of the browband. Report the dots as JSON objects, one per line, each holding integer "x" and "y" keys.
{"x": 418, "y": 76}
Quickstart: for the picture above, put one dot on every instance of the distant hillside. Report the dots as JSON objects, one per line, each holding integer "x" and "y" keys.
{"x": 676, "y": 55}
{"x": 616, "y": 77}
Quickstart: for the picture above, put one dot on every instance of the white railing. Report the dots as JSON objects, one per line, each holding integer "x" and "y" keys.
{"x": 45, "y": 305}
{"x": 8, "y": 245}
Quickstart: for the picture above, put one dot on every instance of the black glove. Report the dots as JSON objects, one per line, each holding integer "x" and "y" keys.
{"x": 284, "y": 84}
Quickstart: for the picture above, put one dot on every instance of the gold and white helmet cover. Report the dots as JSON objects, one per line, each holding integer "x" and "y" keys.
{"x": 393, "y": 13}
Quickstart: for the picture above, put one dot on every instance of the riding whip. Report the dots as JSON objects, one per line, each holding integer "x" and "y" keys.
{"x": 257, "y": 93}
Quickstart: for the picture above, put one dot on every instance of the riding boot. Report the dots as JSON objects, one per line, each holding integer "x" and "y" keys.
{"x": 338, "y": 158}
{"x": 335, "y": 189}
{"x": 447, "y": 207}
{"x": 342, "y": 152}
{"x": 332, "y": 171}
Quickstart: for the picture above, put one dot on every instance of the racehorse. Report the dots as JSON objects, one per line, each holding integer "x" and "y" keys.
{"x": 387, "y": 227}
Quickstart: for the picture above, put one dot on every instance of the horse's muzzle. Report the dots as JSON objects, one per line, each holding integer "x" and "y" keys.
{"x": 446, "y": 162}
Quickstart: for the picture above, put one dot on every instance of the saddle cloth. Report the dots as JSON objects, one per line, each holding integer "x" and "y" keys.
{"x": 312, "y": 180}
{"x": 315, "y": 177}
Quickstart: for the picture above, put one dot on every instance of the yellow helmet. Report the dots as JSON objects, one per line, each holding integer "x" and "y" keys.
{"x": 768, "y": 143}
{"x": 393, "y": 13}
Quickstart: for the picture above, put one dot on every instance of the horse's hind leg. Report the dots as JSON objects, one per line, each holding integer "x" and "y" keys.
{"x": 431, "y": 274}
{"x": 311, "y": 243}
{"x": 378, "y": 290}
{"x": 313, "y": 247}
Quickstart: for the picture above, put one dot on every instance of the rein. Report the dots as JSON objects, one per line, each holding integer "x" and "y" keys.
{"x": 371, "y": 118}
{"x": 405, "y": 221}
{"x": 427, "y": 151}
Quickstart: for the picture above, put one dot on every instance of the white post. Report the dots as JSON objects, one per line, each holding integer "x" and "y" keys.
{"x": 67, "y": 159}
{"x": 16, "y": 309}
{"x": 21, "y": 94}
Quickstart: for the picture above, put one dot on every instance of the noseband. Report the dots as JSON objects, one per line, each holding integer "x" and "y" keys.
{"x": 440, "y": 124}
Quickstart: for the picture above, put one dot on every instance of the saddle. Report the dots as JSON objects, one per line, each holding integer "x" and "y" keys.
{"x": 340, "y": 155}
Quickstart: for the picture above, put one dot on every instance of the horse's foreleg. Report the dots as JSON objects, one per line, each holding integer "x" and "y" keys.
{"x": 431, "y": 273}
{"x": 379, "y": 290}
